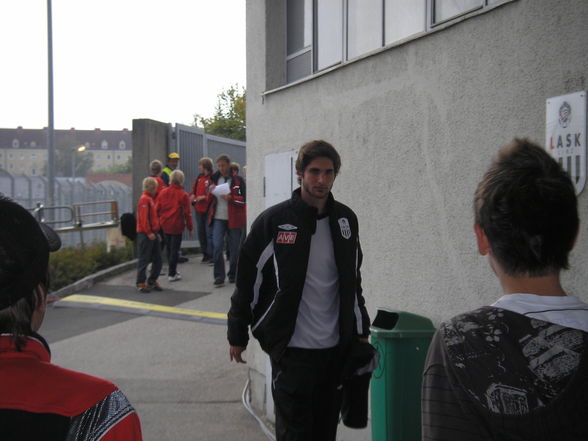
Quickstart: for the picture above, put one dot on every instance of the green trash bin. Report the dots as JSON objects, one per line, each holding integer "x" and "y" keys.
{"x": 402, "y": 339}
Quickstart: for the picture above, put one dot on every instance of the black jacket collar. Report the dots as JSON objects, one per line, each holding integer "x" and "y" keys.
{"x": 301, "y": 205}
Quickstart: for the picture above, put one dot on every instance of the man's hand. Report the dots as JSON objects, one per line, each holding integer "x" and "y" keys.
{"x": 235, "y": 354}
{"x": 364, "y": 339}
{"x": 151, "y": 236}
{"x": 226, "y": 197}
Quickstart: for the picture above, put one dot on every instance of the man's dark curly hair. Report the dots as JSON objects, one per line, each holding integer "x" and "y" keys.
{"x": 526, "y": 204}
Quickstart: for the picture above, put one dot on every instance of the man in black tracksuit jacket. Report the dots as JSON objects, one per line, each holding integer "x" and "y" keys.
{"x": 304, "y": 315}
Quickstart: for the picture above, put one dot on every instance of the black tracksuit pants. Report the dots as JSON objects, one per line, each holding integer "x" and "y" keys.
{"x": 306, "y": 396}
{"x": 149, "y": 252}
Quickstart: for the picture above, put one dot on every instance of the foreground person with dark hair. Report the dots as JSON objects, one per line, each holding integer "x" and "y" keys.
{"x": 299, "y": 291}
{"x": 518, "y": 369}
{"x": 38, "y": 400}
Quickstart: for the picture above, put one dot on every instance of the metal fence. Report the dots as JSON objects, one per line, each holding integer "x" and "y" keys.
{"x": 29, "y": 191}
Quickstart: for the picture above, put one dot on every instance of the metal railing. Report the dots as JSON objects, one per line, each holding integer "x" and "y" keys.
{"x": 30, "y": 190}
{"x": 77, "y": 215}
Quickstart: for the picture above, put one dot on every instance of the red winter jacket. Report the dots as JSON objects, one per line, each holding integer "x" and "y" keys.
{"x": 40, "y": 400}
{"x": 237, "y": 206}
{"x": 200, "y": 188}
{"x": 160, "y": 185}
{"x": 147, "y": 220}
{"x": 173, "y": 209}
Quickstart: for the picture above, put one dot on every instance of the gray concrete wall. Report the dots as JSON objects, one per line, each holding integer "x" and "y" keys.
{"x": 150, "y": 141}
{"x": 417, "y": 125}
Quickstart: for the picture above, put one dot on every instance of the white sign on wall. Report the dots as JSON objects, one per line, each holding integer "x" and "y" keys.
{"x": 565, "y": 134}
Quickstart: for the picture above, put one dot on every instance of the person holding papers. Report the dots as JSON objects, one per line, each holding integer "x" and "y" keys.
{"x": 227, "y": 218}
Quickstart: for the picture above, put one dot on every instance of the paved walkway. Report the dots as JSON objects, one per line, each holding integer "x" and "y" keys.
{"x": 172, "y": 364}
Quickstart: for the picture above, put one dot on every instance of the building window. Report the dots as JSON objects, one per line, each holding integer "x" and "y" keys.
{"x": 122, "y": 145}
{"x": 104, "y": 144}
{"x": 329, "y": 17}
{"x": 15, "y": 143}
{"x": 33, "y": 144}
{"x": 11, "y": 166}
{"x": 33, "y": 172}
{"x": 118, "y": 157}
{"x": 364, "y": 26}
{"x": 10, "y": 156}
{"x": 323, "y": 33}
{"x": 404, "y": 18}
{"x": 107, "y": 156}
{"x": 33, "y": 156}
{"x": 299, "y": 39}
{"x": 446, "y": 9}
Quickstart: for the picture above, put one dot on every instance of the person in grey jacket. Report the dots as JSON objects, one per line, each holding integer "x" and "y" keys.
{"x": 517, "y": 369}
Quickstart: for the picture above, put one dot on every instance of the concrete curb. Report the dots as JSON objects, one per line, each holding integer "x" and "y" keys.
{"x": 89, "y": 281}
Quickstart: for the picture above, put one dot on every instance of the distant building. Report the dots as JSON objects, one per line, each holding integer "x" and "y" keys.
{"x": 24, "y": 151}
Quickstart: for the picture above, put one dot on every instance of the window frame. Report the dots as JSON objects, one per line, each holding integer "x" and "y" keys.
{"x": 346, "y": 31}
{"x": 314, "y": 39}
{"x": 304, "y": 50}
{"x": 432, "y": 6}
{"x": 430, "y": 27}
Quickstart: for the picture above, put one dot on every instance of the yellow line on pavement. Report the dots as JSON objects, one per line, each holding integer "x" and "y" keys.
{"x": 97, "y": 300}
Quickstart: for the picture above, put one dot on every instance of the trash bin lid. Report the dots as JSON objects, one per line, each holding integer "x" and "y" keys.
{"x": 390, "y": 323}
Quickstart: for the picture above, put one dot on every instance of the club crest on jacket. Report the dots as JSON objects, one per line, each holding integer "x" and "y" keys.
{"x": 345, "y": 228}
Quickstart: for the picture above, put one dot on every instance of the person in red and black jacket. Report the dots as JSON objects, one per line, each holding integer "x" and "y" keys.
{"x": 238, "y": 209}
{"x": 227, "y": 217}
{"x": 175, "y": 215}
{"x": 201, "y": 199}
{"x": 39, "y": 400}
{"x": 148, "y": 238}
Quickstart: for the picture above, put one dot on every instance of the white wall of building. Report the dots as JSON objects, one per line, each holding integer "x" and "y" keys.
{"x": 416, "y": 126}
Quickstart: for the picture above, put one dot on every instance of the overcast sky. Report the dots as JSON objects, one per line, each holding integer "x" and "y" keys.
{"x": 116, "y": 60}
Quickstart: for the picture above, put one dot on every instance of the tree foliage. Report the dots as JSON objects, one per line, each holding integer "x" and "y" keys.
{"x": 229, "y": 116}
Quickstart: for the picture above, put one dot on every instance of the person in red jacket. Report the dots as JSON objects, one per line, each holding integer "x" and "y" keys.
{"x": 148, "y": 238}
{"x": 238, "y": 207}
{"x": 175, "y": 215}
{"x": 156, "y": 168}
{"x": 201, "y": 199}
{"x": 39, "y": 400}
